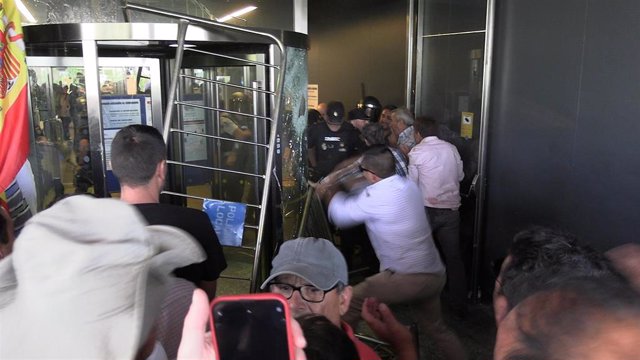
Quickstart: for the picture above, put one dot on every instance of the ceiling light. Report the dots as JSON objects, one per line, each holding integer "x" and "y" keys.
{"x": 27, "y": 14}
{"x": 238, "y": 13}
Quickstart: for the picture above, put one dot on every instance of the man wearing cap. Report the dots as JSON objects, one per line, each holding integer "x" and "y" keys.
{"x": 331, "y": 142}
{"x": 411, "y": 271}
{"x": 138, "y": 159}
{"x": 312, "y": 274}
{"x": 90, "y": 288}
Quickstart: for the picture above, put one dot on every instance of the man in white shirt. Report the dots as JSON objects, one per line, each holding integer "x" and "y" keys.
{"x": 436, "y": 167}
{"x": 411, "y": 271}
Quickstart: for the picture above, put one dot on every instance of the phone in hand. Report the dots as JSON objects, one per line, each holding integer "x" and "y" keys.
{"x": 252, "y": 326}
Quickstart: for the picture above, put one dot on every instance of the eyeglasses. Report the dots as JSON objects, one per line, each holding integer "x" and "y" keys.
{"x": 367, "y": 170}
{"x": 308, "y": 292}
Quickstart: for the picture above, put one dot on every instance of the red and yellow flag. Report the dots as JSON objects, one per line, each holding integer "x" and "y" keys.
{"x": 14, "y": 111}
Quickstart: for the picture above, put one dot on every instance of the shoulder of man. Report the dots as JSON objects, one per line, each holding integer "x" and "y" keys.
{"x": 193, "y": 221}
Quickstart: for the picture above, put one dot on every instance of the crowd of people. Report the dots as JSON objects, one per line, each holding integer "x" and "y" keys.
{"x": 132, "y": 278}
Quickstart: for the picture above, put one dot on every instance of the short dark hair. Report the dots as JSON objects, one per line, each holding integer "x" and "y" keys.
{"x": 426, "y": 126}
{"x": 136, "y": 151}
{"x": 542, "y": 256}
{"x": 374, "y": 134}
{"x": 558, "y": 322}
{"x": 379, "y": 160}
{"x": 326, "y": 341}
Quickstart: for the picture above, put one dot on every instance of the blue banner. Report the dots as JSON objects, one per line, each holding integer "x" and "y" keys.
{"x": 227, "y": 219}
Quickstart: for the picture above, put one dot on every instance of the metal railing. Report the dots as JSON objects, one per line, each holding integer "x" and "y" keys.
{"x": 173, "y": 102}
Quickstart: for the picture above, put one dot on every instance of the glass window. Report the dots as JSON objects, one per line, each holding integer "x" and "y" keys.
{"x": 60, "y": 157}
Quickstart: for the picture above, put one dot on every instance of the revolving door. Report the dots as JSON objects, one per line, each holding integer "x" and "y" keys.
{"x": 87, "y": 81}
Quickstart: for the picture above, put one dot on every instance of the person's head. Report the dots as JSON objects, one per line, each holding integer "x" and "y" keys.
{"x": 372, "y": 107}
{"x": 313, "y": 116}
{"x": 335, "y": 113}
{"x": 584, "y": 318}
{"x": 322, "y": 109}
{"x": 425, "y": 126}
{"x": 378, "y": 163}
{"x": 312, "y": 274}
{"x": 326, "y": 341}
{"x": 626, "y": 260}
{"x": 94, "y": 285}
{"x": 138, "y": 154}
{"x": 385, "y": 115}
{"x": 401, "y": 119}
{"x": 374, "y": 134}
{"x": 541, "y": 256}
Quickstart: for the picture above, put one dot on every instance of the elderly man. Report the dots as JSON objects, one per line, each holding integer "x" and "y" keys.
{"x": 138, "y": 159}
{"x": 402, "y": 129}
{"x": 411, "y": 271}
{"x": 312, "y": 274}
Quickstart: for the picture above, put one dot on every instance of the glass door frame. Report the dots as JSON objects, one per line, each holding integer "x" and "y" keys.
{"x": 414, "y": 92}
{"x": 91, "y": 67}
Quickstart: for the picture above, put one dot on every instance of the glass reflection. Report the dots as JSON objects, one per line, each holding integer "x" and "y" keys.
{"x": 62, "y": 149}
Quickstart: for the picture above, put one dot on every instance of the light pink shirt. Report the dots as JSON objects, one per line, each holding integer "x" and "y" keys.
{"x": 436, "y": 167}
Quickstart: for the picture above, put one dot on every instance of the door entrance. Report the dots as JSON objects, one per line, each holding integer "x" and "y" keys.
{"x": 64, "y": 140}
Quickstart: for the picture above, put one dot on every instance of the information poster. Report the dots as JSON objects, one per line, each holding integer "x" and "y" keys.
{"x": 195, "y": 147}
{"x": 312, "y": 93}
{"x": 466, "y": 125}
{"x": 118, "y": 112}
{"x": 227, "y": 219}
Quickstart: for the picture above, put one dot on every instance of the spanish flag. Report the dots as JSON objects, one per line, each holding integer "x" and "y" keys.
{"x": 14, "y": 114}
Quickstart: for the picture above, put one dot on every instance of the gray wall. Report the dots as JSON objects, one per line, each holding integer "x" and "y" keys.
{"x": 354, "y": 42}
{"x": 564, "y": 129}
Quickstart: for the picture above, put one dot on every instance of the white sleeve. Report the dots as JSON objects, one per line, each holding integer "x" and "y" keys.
{"x": 413, "y": 171}
{"x": 345, "y": 211}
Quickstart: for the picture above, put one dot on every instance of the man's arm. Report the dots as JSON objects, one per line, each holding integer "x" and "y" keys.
{"x": 387, "y": 328}
{"x": 414, "y": 171}
{"x": 242, "y": 134}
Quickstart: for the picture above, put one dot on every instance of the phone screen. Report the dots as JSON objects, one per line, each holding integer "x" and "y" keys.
{"x": 251, "y": 329}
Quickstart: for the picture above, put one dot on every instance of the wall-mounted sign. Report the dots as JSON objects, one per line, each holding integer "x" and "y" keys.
{"x": 312, "y": 93}
{"x": 466, "y": 125}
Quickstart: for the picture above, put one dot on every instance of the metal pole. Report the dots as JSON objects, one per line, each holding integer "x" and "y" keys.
{"x": 125, "y": 12}
{"x": 198, "y": 20}
{"x": 411, "y": 45}
{"x": 182, "y": 33}
{"x": 269, "y": 169}
{"x": 482, "y": 152}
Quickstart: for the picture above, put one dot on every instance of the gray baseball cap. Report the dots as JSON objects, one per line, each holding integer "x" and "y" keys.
{"x": 317, "y": 261}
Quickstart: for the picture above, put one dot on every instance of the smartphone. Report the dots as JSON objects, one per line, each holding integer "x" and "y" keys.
{"x": 251, "y": 327}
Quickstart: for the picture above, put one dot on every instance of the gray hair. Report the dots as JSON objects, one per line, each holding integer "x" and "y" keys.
{"x": 404, "y": 115}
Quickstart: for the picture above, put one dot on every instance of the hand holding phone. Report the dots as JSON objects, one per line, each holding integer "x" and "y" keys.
{"x": 253, "y": 326}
